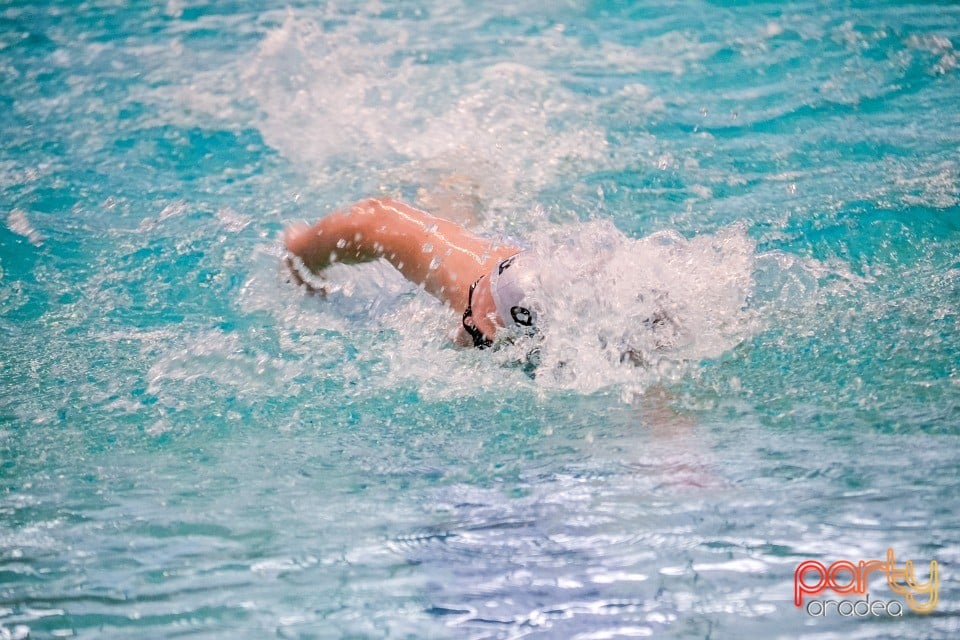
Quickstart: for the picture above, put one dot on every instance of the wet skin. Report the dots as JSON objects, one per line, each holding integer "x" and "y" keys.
{"x": 442, "y": 256}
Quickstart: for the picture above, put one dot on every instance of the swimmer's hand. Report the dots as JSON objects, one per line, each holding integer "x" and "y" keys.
{"x": 297, "y": 239}
{"x": 295, "y": 275}
{"x": 301, "y": 270}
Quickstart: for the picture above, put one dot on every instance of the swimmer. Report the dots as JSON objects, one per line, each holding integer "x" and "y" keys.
{"x": 486, "y": 281}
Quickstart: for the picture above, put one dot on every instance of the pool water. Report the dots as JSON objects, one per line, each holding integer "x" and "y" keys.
{"x": 191, "y": 446}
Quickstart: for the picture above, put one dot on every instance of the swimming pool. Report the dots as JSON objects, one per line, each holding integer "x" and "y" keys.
{"x": 190, "y": 446}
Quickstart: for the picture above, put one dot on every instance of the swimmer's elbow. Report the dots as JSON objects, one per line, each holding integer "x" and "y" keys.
{"x": 366, "y": 217}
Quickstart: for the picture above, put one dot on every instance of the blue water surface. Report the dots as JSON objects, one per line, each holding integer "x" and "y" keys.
{"x": 191, "y": 446}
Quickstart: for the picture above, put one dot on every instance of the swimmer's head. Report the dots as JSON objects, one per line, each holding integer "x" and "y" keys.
{"x": 511, "y": 283}
{"x": 500, "y": 300}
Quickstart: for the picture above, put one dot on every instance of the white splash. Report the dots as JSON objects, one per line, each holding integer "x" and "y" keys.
{"x": 342, "y": 98}
{"x": 621, "y": 310}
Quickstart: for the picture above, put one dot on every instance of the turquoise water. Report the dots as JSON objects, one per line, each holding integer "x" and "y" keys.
{"x": 192, "y": 447}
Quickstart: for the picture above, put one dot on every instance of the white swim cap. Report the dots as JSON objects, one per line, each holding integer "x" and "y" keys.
{"x": 510, "y": 283}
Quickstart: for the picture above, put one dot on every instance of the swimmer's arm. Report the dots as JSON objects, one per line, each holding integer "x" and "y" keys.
{"x": 440, "y": 255}
{"x": 339, "y": 237}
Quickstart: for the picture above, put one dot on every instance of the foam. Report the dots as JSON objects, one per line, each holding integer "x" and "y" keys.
{"x": 629, "y": 311}
{"x": 345, "y": 99}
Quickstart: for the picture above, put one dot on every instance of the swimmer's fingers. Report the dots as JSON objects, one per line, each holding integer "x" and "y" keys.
{"x": 300, "y": 241}
{"x": 294, "y": 267}
{"x": 293, "y": 273}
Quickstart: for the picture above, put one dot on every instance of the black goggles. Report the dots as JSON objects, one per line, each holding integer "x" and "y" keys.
{"x": 480, "y": 341}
